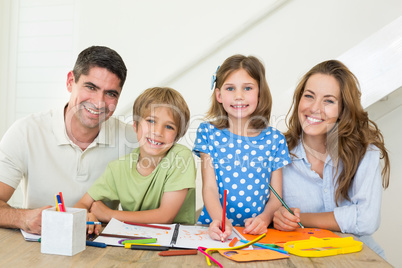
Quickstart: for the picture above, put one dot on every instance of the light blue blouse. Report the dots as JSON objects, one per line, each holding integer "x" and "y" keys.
{"x": 303, "y": 188}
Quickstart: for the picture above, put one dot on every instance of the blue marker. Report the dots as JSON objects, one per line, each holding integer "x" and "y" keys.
{"x": 96, "y": 244}
{"x": 94, "y": 222}
{"x": 264, "y": 246}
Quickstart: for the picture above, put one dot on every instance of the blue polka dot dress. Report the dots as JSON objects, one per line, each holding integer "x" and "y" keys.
{"x": 243, "y": 166}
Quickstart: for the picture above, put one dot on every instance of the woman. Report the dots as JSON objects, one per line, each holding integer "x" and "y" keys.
{"x": 335, "y": 179}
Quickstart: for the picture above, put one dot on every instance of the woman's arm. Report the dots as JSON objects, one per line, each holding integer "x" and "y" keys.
{"x": 170, "y": 205}
{"x": 323, "y": 220}
{"x": 361, "y": 215}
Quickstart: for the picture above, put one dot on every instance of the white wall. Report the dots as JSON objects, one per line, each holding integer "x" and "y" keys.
{"x": 387, "y": 114}
{"x": 179, "y": 43}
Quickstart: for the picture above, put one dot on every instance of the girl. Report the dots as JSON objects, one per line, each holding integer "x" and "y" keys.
{"x": 239, "y": 151}
{"x": 335, "y": 176}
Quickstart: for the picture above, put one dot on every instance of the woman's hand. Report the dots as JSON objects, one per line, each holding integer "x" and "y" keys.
{"x": 285, "y": 221}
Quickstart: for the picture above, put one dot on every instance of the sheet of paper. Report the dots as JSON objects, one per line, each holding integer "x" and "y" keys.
{"x": 30, "y": 237}
{"x": 190, "y": 236}
{"x": 197, "y": 236}
{"x": 120, "y": 228}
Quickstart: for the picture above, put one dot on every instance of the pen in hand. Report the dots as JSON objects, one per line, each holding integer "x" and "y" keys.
{"x": 225, "y": 192}
{"x": 283, "y": 202}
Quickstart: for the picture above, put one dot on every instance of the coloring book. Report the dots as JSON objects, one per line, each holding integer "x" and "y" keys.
{"x": 186, "y": 236}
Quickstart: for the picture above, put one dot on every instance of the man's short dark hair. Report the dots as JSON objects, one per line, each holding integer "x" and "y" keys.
{"x": 100, "y": 56}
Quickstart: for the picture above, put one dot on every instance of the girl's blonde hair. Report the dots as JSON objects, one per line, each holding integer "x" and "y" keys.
{"x": 261, "y": 116}
{"x": 157, "y": 97}
{"x": 352, "y": 134}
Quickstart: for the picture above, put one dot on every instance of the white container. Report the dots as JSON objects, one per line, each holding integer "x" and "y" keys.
{"x": 63, "y": 233}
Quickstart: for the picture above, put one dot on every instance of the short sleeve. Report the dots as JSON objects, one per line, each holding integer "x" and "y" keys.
{"x": 280, "y": 155}
{"x": 104, "y": 188}
{"x": 182, "y": 173}
{"x": 13, "y": 154}
{"x": 202, "y": 141}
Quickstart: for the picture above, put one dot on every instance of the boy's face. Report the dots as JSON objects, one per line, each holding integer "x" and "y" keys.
{"x": 156, "y": 132}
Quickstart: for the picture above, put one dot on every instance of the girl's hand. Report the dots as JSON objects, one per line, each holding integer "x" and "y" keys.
{"x": 255, "y": 226}
{"x": 92, "y": 228}
{"x": 215, "y": 231}
{"x": 285, "y": 221}
{"x": 101, "y": 211}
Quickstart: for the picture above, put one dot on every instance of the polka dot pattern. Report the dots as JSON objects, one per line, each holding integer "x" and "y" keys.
{"x": 243, "y": 166}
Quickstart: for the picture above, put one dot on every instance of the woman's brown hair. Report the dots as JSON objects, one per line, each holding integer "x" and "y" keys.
{"x": 354, "y": 132}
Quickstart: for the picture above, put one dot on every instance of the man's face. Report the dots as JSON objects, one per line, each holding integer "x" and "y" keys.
{"x": 93, "y": 98}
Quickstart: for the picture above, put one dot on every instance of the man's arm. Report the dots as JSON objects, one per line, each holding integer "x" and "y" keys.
{"x": 30, "y": 220}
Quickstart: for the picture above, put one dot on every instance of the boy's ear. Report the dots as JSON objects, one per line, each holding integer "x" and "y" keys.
{"x": 135, "y": 126}
{"x": 218, "y": 95}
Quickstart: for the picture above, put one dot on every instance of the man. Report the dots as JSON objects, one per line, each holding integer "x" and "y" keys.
{"x": 65, "y": 150}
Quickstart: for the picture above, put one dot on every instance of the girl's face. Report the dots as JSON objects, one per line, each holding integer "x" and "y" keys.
{"x": 238, "y": 95}
{"x": 156, "y": 132}
{"x": 320, "y": 105}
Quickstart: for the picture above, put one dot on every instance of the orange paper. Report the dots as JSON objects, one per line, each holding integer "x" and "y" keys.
{"x": 281, "y": 237}
{"x": 252, "y": 255}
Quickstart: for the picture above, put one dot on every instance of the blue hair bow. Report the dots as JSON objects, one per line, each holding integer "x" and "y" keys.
{"x": 213, "y": 79}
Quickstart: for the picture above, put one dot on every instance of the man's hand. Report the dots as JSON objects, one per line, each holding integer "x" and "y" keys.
{"x": 32, "y": 220}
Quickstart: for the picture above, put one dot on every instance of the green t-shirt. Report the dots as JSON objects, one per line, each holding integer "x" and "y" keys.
{"x": 122, "y": 182}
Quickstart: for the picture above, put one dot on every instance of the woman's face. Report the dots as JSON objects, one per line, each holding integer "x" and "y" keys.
{"x": 320, "y": 105}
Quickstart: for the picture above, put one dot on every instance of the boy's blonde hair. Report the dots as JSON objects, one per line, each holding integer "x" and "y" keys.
{"x": 253, "y": 66}
{"x": 156, "y": 97}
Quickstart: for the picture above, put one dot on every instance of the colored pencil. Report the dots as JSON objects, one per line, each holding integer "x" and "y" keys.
{"x": 95, "y": 244}
{"x": 148, "y": 225}
{"x": 62, "y": 201}
{"x": 225, "y": 193}
{"x": 264, "y": 246}
{"x": 283, "y": 202}
{"x": 178, "y": 252}
{"x": 139, "y": 241}
{"x": 94, "y": 223}
{"x": 57, "y": 203}
{"x": 233, "y": 242}
{"x": 142, "y": 247}
{"x": 60, "y": 205}
{"x": 128, "y": 245}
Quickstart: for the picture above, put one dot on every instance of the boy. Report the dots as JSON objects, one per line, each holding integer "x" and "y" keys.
{"x": 156, "y": 183}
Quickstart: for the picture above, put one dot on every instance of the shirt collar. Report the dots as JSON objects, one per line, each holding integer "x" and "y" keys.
{"x": 105, "y": 135}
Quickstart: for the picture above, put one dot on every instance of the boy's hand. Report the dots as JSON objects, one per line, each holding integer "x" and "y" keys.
{"x": 92, "y": 228}
{"x": 101, "y": 211}
{"x": 255, "y": 226}
{"x": 215, "y": 231}
{"x": 285, "y": 221}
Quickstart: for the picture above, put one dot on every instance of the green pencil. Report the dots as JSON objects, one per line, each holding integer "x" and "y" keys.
{"x": 283, "y": 202}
